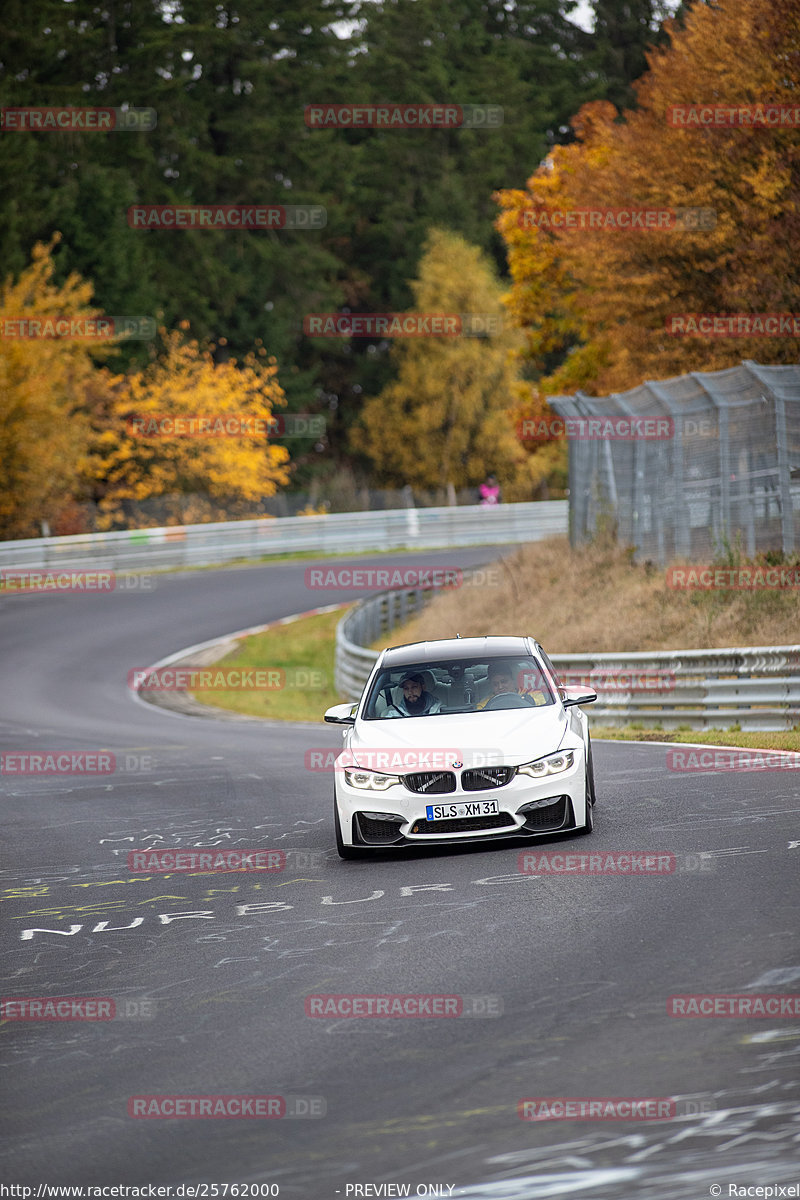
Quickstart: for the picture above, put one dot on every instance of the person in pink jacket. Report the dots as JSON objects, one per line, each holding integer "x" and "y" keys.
{"x": 489, "y": 491}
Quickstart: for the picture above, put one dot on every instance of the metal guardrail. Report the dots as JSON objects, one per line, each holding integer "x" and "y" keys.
{"x": 340, "y": 533}
{"x": 756, "y": 688}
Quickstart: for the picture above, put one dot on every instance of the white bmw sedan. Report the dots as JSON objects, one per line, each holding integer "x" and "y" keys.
{"x": 465, "y": 739}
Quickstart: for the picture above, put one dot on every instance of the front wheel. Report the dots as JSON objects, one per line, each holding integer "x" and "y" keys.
{"x": 589, "y": 826}
{"x": 590, "y": 774}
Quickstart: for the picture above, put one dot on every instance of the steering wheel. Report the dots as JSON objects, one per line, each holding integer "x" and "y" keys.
{"x": 519, "y": 701}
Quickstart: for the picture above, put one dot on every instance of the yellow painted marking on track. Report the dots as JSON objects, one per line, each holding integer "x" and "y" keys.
{"x": 112, "y": 882}
{"x": 286, "y": 882}
{"x": 99, "y": 906}
{"x": 25, "y": 893}
{"x": 431, "y": 1121}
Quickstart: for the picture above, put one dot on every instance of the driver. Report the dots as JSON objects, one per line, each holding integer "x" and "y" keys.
{"x": 501, "y": 679}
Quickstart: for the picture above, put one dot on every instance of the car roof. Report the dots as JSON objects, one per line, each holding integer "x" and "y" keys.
{"x": 455, "y": 648}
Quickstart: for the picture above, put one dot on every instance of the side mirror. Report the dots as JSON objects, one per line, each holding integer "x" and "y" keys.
{"x": 573, "y": 696}
{"x": 342, "y": 714}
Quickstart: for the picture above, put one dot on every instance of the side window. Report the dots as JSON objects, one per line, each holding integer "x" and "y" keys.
{"x": 550, "y": 667}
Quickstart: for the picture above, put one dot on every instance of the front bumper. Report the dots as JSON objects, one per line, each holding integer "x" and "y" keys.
{"x": 397, "y": 817}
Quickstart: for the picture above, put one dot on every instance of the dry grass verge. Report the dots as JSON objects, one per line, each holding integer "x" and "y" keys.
{"x": 596, "y": 600}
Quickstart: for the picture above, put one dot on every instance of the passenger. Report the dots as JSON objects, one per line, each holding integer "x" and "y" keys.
{"x": 416, "y": 702}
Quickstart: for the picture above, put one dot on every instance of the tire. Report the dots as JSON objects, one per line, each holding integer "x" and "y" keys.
{"x": 590, "y": 775}
{"x": 347, "y": 852}
{"x": 589, "y": 826}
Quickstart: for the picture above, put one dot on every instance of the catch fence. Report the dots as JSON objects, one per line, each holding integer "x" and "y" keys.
{"x": 724, "y": 479}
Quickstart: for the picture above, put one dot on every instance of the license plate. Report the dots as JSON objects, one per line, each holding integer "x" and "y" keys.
{"x": 468, "y": 808}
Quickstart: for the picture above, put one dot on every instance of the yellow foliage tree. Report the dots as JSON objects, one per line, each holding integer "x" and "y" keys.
{"x": 445, "y": 419}
{"x": 599, "y": 299}
{"x": 44, "y": 429}
{"x": 196, "y": 476}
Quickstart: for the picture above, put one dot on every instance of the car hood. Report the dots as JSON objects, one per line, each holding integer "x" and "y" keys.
{"x": 509, "y": 737}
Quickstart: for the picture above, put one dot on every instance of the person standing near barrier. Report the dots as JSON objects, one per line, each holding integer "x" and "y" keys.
{"x": 489, "y": 492}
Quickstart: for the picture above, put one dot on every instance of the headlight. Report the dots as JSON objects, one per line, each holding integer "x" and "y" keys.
{"x": 553, "y": 764}
{"x": 370, "y": 781}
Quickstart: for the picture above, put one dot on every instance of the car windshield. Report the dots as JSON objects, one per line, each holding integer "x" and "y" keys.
{"x": 465, "y": 685}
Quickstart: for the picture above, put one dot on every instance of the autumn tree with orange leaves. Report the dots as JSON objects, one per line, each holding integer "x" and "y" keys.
{"x": 67, "y": 430}
{"x": 594, "y": 303}
{"x": 141, "y": 449}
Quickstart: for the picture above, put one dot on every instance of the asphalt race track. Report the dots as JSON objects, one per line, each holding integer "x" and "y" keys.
{"x": 215, "y": 968}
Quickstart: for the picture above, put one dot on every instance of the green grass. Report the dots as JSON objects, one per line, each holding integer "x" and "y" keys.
{"x": 305, "y": 644}
{"x": 786, "y": 740}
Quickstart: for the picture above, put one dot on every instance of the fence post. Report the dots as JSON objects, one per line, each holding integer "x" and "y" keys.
{"x": 784, "y": 477}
